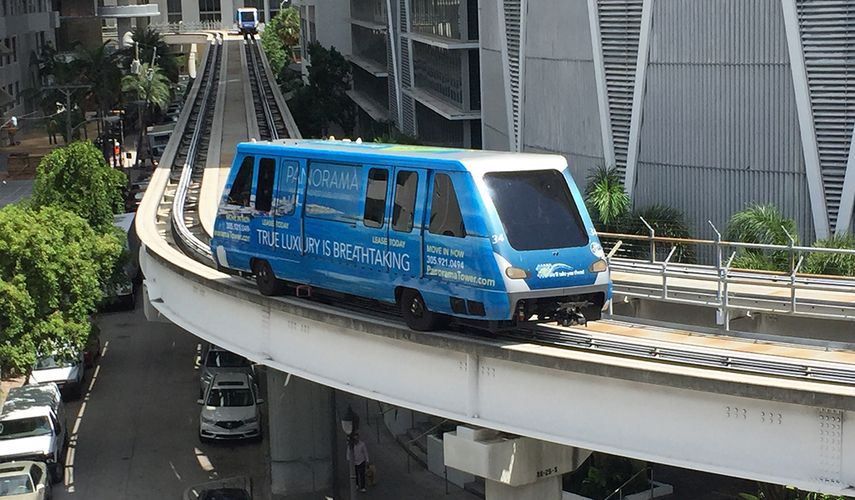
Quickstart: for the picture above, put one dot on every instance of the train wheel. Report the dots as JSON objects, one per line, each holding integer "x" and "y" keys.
{"x": 415, "y": 312}
{"x": 265, "y": 280}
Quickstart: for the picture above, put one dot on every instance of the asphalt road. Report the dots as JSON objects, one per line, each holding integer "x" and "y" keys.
{"x": 134, "y": 432}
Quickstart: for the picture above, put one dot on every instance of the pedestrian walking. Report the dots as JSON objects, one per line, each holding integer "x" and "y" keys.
{"x": 359, "y": 459}
{"x": 52, "y": 127}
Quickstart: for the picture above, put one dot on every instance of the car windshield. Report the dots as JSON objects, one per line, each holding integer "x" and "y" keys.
{"x": 48, "y": 362}
{"x": 536, "y": 209}
{"x": 24, "y": 427}
{"x": 15, "y": 485}
{"x": 230, "y": 397}
{"x": 225, "y": 359}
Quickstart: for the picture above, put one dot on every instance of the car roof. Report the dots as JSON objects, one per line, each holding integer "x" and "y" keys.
{"x": 231, "y": 379}
{"x": 32, "y": 398}
{"x": 16, "y": 468}
{"x": 474, "y": 160}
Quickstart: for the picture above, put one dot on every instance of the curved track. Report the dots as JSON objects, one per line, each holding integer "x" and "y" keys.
{"x": 554, "y": 369}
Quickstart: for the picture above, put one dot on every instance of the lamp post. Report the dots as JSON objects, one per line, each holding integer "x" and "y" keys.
{"x": 350, "y": 424}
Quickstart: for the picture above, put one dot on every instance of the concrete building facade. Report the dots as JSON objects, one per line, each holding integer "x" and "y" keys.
{"x": 25, "y": 27}
{"x": 415, "y": 64}
{"x": 703, "y": 105}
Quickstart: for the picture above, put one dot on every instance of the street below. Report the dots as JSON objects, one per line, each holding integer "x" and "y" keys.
{"x": 134, "y": 434}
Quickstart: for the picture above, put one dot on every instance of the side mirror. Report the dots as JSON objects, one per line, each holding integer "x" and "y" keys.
{"x": 40, "y": 487}
{"x": 259, "y": 401}
{"x": 200, "y": 401}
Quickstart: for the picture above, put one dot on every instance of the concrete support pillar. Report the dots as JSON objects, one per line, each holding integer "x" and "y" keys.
{"x": 300, "y": 430}
{"x": 513, "y": 468}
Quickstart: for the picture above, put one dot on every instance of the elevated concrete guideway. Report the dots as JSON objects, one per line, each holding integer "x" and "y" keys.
{"x": 772, "y": 428}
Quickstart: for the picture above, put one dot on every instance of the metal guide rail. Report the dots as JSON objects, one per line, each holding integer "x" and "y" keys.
{"x": 271, "y": 122}
{"x": 580, "y": 338}
{"x": 649, "y": 266}
{"x": 194, "y": 144}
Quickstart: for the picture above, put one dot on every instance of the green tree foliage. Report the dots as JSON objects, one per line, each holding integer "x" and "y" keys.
{"x": 766, "y": 491}
{"x": 323, "y": 100}
{"x": 666, "y": 222}
{"x": 278, "y": 39}
{"x": 100, "y": 70}
{"x": 605, "y": 196}
{"x": 151, "y": 86}
{"x": 829, "y": 263}
{"x": 602, "y": 474}
{"x": 76, "y": 178}
{"x": 149, "y": 40}
{"x": 762, "y": 224}
{"x": 52, "y": 268}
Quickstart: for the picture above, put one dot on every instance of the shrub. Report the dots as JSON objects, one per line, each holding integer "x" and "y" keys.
{"x": 829, "y": 263}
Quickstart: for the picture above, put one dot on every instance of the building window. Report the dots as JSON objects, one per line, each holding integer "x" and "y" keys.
{"x": 14, "y": 49}
{"x": 209, "y": 10}
{"x": 17, "y": 92}
{"x": 173, "y": 11}
{"x": 3, "y": 6}
{"x": 312, "y": 32}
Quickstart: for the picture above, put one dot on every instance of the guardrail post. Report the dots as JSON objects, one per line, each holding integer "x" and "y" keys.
{"x": 718, "y": 253}
{"x": 652, "y": 236}
{"x": 726, "y": 300}
{"x": 792, "y": 250}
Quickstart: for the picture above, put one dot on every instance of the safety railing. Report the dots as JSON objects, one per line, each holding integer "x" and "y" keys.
{"x": 734, "y": 276}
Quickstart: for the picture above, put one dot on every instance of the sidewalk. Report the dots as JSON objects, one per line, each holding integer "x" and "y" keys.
{"x": 398, "y": 475}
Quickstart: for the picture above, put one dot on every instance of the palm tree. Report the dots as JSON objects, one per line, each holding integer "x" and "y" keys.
{"x": 150, "y": 87}
{"x": 830, "y": 263}
{"x": 150, "y": 44}
{"x": 100, "y": 70}
{"x": 762, "y": 224}
{"x": 605, "y": 196}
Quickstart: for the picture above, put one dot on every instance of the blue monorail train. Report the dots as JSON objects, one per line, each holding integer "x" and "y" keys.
{"x": 480, "y": 235}
{"x": 247, "y": 20}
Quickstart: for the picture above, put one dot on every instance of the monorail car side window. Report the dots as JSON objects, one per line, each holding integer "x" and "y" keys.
{"x": 289, "y": 174}
{"x": 406, "y": 185}
{"x": 445, "y": 216}
{"x": 264, "y": 186}
{"x": 375, "y": 197}
{"x": 242, "y": 185}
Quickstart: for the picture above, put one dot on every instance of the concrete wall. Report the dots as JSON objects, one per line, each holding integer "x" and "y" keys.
{"x": 332, "y": 22}
{"x": 561, "y": 111}
{"x": 720, "y": 128}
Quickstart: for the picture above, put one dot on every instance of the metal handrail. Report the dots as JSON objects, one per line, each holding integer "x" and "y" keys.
{"x": 620, "y": 488}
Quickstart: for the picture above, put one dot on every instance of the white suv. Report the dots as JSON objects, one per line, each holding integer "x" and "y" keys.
{"x": 230, "y": 408}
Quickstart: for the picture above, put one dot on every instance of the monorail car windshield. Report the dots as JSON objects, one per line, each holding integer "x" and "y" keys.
{"x": 247, "y": 20}
{"x": 479, "y": 235}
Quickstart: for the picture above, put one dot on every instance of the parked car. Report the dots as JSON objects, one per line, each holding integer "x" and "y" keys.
{"x": 25, "y": 480}
{"x": 218, "y": 360}
{"x": 66, "y": 371}
{"x": 225, "y": 494}
{"x": 230, "y": 408}
{"x": 33, "y": 427}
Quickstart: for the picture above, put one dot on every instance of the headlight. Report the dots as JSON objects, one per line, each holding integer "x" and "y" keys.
{"x": 516, "y": 273}
{"x": 251, "y": 420}
{"x": 598, "y": 266}
{"x": 206, "y": 420}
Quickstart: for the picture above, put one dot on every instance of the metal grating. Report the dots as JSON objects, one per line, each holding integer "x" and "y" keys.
{"x": 620, "y": 28}
{"x": 408, "y": 106}
{"x": 513, "y": 27}
{"x": 827, "y": 29}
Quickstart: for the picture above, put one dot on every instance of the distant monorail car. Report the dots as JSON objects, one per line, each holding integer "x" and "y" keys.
{"x": 247, "y": 20}
{"x": 493, "y": 236}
